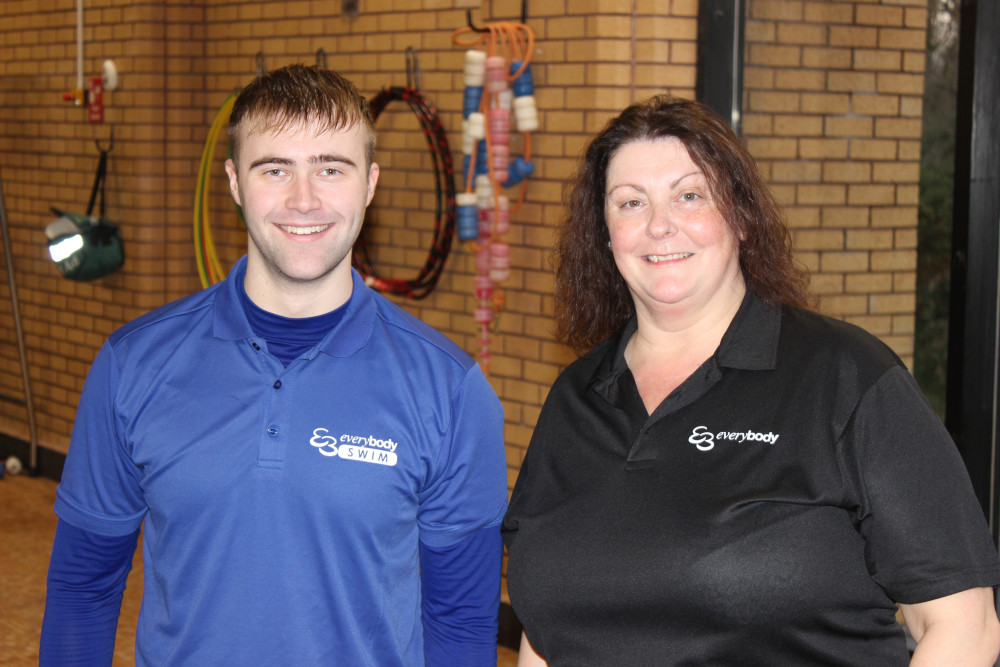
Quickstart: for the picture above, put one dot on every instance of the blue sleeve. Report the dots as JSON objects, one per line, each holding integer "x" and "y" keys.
{"x": 87, "y": 574}
{"x": 100, "y": 489}
{"x": 461, "y": 600}
{"x": 466, "y": 486}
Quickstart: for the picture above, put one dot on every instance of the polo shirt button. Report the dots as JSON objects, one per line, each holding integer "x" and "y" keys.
{"x": 277, "y": 384}
{"x": 272, "y": 431}
{"x": 255, "y": 346}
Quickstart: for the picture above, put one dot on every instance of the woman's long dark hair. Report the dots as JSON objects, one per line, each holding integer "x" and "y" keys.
{"x": 592, "y": 300}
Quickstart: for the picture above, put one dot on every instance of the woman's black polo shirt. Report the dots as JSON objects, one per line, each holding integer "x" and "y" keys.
{"x": 770, "y": 511}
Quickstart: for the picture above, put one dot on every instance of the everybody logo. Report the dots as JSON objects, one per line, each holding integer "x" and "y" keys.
{"x": 366, "y": 449}
{"x": 704, "y": 439}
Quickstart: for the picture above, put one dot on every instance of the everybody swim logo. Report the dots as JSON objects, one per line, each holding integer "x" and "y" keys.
{"x": 367, "y": 449}
{"x": 704, "y": 439}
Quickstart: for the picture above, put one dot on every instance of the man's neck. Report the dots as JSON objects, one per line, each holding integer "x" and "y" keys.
{"x": 288, "y": 298}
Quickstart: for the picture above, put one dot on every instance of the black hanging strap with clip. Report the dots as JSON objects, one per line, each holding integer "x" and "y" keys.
{"x": 102, "y": 171}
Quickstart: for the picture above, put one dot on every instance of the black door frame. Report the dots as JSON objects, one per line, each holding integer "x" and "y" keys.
{"x": 972, "y": 397}
{"x": 719, "y": 77}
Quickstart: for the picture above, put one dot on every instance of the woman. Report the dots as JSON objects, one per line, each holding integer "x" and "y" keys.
{"x": 727, "y": 477}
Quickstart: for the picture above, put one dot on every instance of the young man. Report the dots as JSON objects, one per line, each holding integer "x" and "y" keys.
{"x": 321, "y": 476}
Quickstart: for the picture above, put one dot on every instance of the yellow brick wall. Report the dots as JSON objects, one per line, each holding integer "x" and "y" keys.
{"x": 832, "y": 111}
{"x": 833, "y": 100}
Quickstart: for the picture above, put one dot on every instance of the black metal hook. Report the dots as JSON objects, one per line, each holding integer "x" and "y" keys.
{"x": 468, "y": 20}
{"x": 412, "y": 69}
{"x": 261, "y": 65}
{"x": 472, "y": 26}
{"x": 321, "y": 58}
{"x": 111, "y": 141}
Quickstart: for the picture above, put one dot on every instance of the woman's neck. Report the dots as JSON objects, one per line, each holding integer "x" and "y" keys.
{"x": 664, "y": 351}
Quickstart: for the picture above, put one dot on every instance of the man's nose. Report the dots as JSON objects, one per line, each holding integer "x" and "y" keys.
{"x": 302, "y": 196}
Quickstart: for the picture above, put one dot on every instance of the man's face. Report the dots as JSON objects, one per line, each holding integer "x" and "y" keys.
{"x": 304, "y": 193}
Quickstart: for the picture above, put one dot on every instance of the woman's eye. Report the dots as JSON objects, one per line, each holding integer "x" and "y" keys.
{"x": 631, "y": 203}
{"x": 690, "y": 196}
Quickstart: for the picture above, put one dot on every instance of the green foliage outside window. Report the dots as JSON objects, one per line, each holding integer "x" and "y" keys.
{"x": 937, "y": 169}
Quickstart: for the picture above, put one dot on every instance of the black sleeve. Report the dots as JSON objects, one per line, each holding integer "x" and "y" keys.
{"x": 925, "y": 532}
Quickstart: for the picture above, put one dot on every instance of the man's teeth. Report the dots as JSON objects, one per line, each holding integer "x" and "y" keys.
{"x": 302, "y": 231}
{"x": 667, "y": 258}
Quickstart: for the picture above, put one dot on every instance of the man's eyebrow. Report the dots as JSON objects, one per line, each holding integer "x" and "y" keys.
{"x": 271, "y": 159}
{"x": 328, "y": 157}
{"x": 313, "y": 159}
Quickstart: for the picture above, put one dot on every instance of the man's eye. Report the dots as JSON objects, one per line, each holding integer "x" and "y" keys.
{"x": 330, "y": 171}
{"x": 274, "y": 172}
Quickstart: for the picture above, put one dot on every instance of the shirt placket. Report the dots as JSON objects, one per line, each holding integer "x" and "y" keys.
{"x": 273, "y": 441}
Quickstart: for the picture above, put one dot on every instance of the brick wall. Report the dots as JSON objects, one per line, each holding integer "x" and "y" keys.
{"x": 834, "y": 92}
{"x": 833, "y": 100}
{"x": 50, "y": 158}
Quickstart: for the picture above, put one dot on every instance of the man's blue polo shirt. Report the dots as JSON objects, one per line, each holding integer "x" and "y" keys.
{"x": 283, "y": 507}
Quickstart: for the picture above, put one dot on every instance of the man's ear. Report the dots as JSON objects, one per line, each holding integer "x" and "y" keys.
{"x": 234, "y": 185}
{"x": 372, "y": 180}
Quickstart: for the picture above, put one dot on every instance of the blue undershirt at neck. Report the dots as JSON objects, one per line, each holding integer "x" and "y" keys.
{"x": 288, "y": 338}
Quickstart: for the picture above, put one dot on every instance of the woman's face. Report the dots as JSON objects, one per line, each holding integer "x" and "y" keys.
{"x": 670, "y": 243}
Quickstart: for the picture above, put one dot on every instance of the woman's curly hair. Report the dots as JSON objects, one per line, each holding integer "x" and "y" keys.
{"x": 592, "y": 300}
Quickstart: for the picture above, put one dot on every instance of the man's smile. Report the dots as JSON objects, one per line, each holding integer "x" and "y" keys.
{"x": 303, "y": 231}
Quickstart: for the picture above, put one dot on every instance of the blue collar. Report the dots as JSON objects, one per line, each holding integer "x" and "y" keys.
{"x": 346, "y": 338}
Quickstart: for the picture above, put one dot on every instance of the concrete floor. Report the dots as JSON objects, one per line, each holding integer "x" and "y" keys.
{"x": 27, "y": 524}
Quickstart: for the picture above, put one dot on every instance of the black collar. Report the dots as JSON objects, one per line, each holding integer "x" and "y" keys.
{"x": 750, "y": 343}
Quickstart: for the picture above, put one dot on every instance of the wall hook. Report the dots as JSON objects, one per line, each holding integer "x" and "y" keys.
{"x": 111, "y": 141}
{"x": 412, "y": 69}
{"x": 321, "y": 58}
{"x": 472, "y": 26}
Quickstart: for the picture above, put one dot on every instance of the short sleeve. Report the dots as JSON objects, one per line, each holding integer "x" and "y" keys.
{"x": 467, "y": 487}
{"x": 925, "y": 533}
{"x": 99, "y": 490}
{"x": 537, "y": 486}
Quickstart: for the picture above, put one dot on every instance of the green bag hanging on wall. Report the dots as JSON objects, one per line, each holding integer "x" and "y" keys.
{"x": 86, "y": 247}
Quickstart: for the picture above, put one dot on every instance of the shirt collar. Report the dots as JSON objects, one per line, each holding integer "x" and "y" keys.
{"x": 750, "y": 343}
{"x": 349, "y": 336}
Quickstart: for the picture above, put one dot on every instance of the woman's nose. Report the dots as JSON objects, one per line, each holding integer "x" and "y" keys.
{"x": 661, "y": 222}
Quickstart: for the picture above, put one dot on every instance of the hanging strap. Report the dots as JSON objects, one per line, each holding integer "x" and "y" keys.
{"x": 102, "y": 170}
